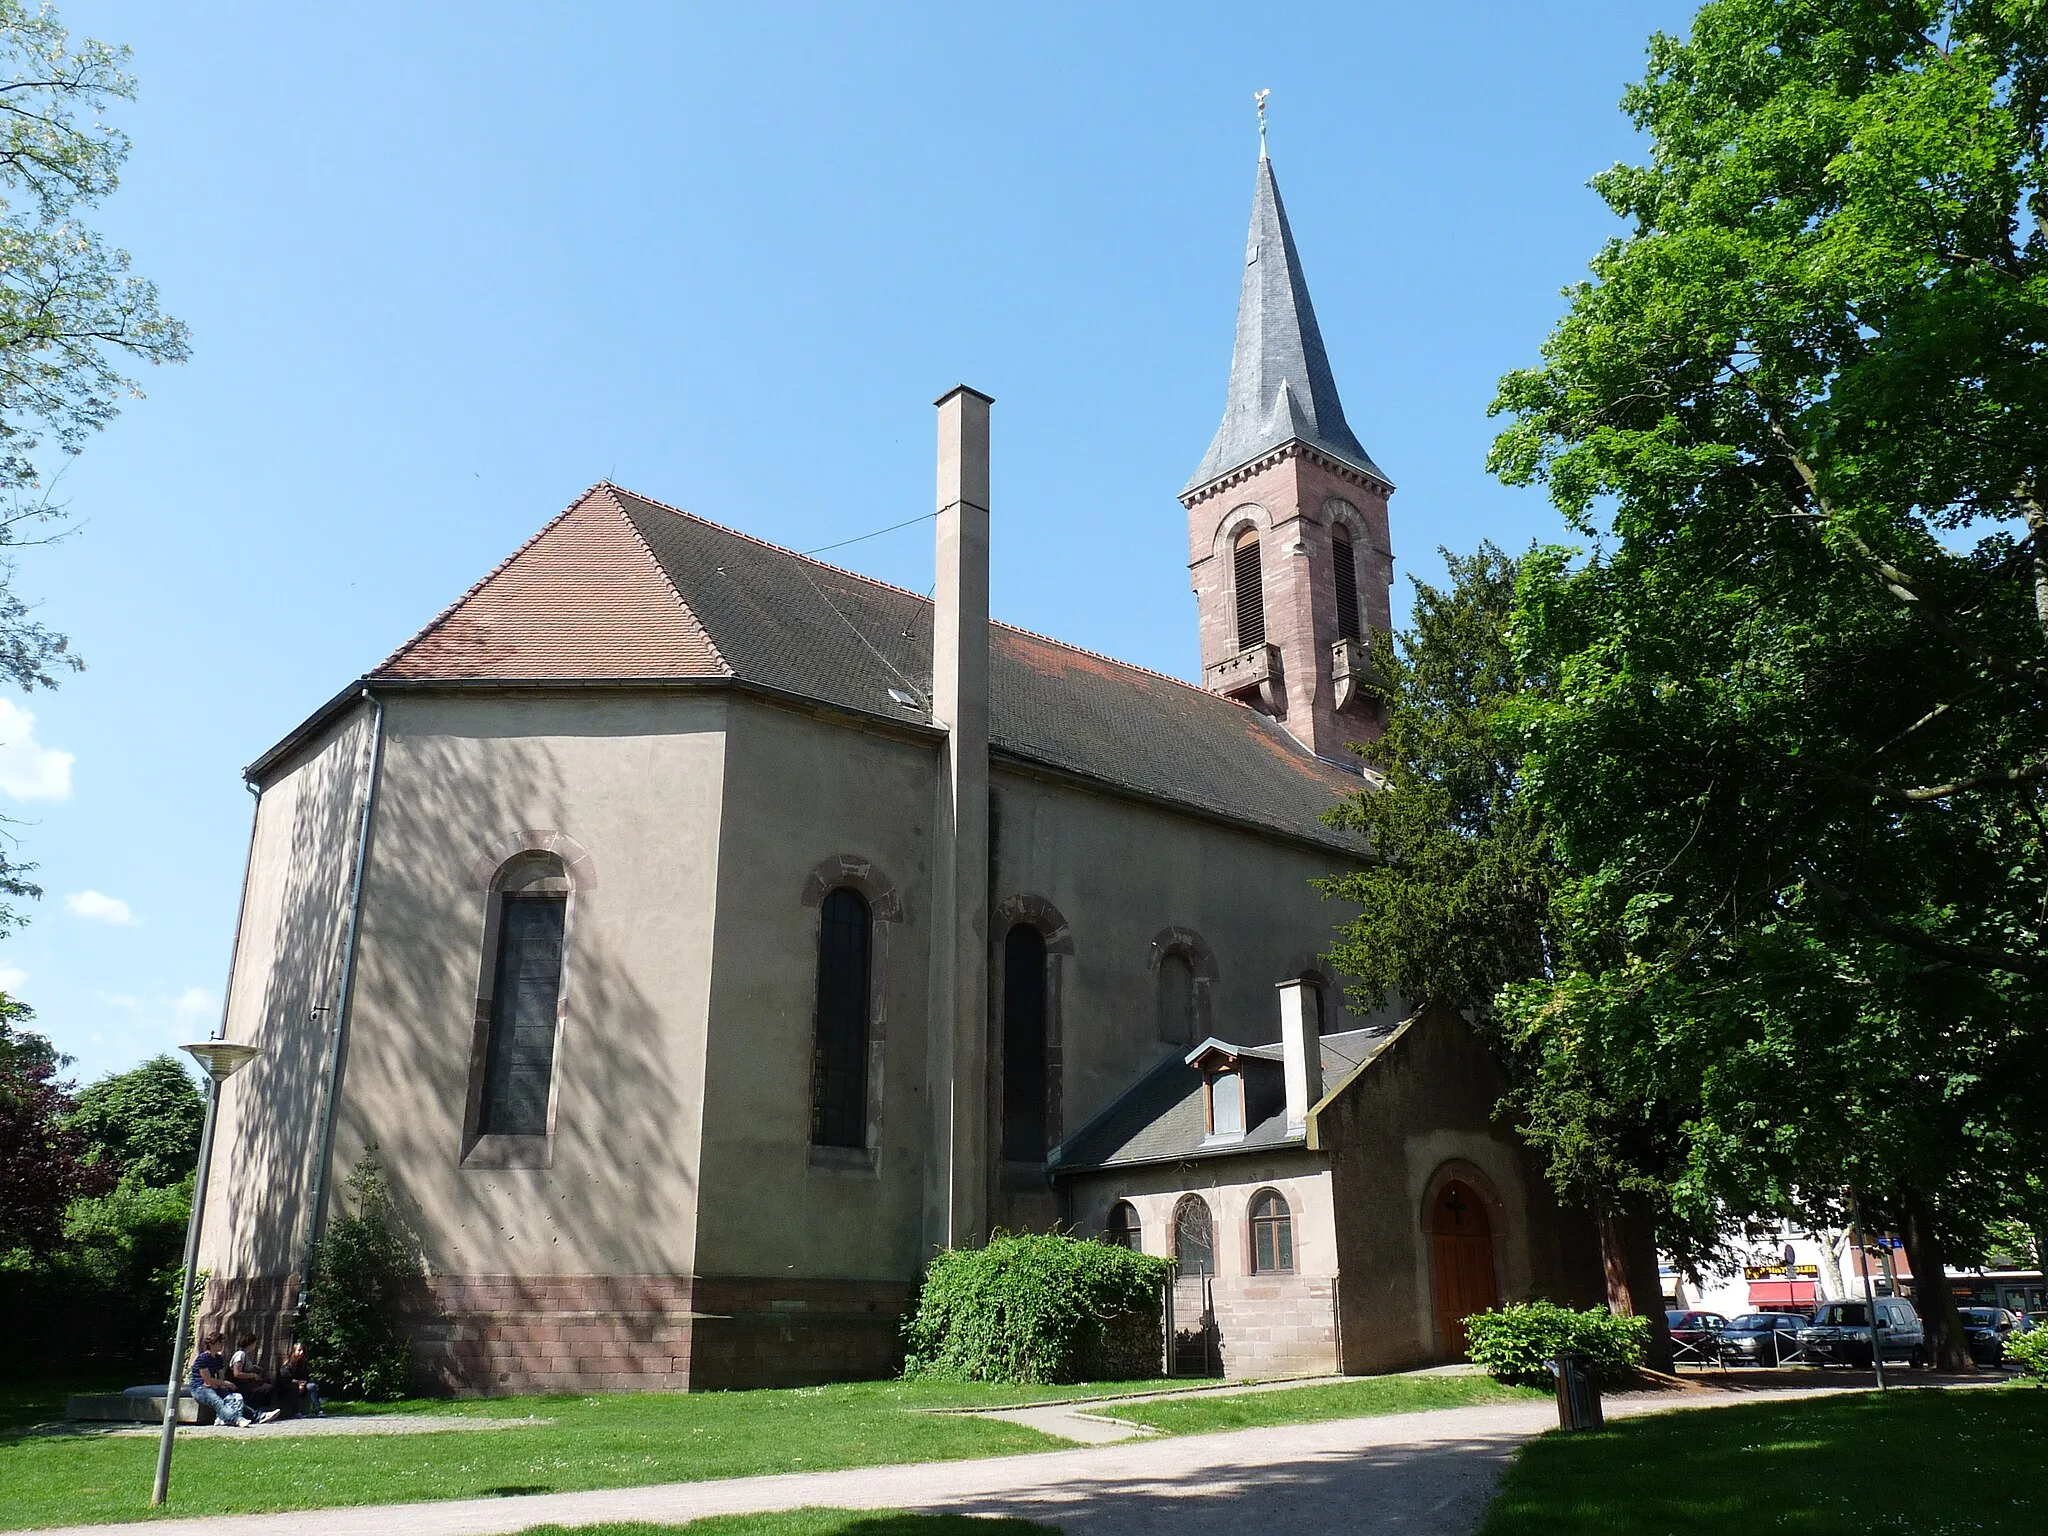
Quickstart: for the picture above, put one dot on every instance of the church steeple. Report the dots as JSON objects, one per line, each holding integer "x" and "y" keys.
{"x": 1287, "y": 515}
{"x": 1281, "y": 388}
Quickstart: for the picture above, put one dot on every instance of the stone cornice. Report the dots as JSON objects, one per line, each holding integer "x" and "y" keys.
{"x": 1292, "y": 448}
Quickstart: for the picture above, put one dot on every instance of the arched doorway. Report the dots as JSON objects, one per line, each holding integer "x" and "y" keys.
{"x": 1461, "y": 1261}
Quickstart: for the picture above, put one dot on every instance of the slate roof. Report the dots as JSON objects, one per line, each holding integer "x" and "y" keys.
{"x": 1161, "y": 1117}
{"x": 1281, "y": 387}
{"x": 621, "y": 587}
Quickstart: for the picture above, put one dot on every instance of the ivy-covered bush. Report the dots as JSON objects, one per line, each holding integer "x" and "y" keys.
{"x": 2029, "y": 1351}
{"x": 365, "y": 1275}
{"x": 1516, "y": 1344}
{"x": 1036, "y": 1309}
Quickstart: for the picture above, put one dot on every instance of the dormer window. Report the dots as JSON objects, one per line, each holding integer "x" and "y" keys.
{"x": 1226, "y": 1104}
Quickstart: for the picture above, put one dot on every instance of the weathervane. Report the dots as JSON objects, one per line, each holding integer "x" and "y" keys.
{"x": 1259, "y": 97}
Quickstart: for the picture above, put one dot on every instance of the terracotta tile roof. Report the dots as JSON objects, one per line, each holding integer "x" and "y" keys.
{"x": 584, "y": 597}
{"x": 622, "y": 587}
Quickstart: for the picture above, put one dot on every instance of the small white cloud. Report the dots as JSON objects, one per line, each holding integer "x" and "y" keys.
{"x": 97, "y": 908}
{"x": 194, "y": 1003}
{"x": 28, "y": 769}
{"x": 119, "y": 999}
{"x": 12, "y": 979}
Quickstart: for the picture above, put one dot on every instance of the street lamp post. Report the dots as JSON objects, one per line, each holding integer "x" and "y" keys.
{"x": 222, "y": 1061}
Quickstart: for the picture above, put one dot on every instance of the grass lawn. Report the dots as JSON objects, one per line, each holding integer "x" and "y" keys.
{"x": 816, "y": 1522}
{"x": 616, "y": 1441}
{"x": 1906, "y": 1460}
{"x": 1303, "y": 1405}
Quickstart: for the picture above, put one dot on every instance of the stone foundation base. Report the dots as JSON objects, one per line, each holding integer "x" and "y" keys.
{"x": 483, "y": 1335}
{"x": 1275, "y": 1325}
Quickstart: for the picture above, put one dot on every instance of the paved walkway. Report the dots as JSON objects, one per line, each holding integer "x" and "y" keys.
{"x": 1429, "y": 1473}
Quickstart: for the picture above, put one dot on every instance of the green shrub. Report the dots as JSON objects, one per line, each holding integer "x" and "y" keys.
{"x": 1036, "y": 1309}
{"x": 1516, "y": 1344}
{"x": 2029, "y": 1351}
{"x": 365, "y": 1277}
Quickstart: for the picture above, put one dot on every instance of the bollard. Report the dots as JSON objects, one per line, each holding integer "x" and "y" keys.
{"x": 1578, "y": 1395}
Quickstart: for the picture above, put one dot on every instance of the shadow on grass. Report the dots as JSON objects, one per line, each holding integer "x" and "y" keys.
{"x": 815, "y": 1522}
{"x": 1944, "y": 1460}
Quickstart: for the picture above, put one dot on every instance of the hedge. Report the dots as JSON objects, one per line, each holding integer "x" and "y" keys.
{"x": 1036, "y": 1309}
{"x": 1516, "y": 1344}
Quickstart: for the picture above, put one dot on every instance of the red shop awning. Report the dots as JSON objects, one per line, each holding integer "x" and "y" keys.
{"x": 1782, "y": 1293}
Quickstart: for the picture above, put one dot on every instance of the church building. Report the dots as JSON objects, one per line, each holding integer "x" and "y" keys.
{"x": 704, "y": 935}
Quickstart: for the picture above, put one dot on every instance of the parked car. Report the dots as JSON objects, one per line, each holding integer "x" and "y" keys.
{"x": 1693, "y": 1335}
{"x": 1987, "y": 1329}
{"x": 1840, "y": 1333}
{"x": 1761, "y": 1338}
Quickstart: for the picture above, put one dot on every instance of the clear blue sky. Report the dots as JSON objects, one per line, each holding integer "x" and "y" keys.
{"x": 445, "y": 265}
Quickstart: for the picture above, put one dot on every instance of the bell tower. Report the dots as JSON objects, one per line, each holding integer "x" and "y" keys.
{"x": 1287, "y": 515}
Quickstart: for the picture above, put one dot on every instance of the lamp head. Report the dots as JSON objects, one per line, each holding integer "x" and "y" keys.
{"x": 222, "y": 1058}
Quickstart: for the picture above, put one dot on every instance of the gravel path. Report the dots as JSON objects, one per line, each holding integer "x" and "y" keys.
{"x": 1429, "y": 1473}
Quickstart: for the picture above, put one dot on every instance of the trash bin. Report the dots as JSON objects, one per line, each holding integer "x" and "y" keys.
{"x": 1578, "y": 1395}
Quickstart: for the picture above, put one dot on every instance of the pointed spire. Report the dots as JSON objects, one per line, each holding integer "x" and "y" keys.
{"x": 1280, "y": 382}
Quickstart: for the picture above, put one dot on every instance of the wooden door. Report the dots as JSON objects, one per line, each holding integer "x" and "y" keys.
{"x": 1461, "y": 1261}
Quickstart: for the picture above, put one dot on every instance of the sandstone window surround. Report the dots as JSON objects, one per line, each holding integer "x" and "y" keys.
{"x": 1034, "y": 1039}
{"x": 865, "y": 881}
{"x": 1185, "y": 975}
{"x": 530, "y": 885}
{"x": 1272, "y": 1234}
{"x": 1125, "y": 1230}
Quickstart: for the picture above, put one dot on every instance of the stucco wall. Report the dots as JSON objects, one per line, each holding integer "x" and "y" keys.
{"x": 630, "y": 785}
{"x": 1120, "y": 873}
{"x": 1422, "y": 1111}
{"x": 808, "y": 804}
{"x": 287, "y": 963}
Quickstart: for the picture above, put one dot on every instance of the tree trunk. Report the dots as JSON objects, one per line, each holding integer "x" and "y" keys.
{"x": 1830, "y": 1270}
{"x": 1628, "y": 1256}
{"x": 1947, "y": 1347}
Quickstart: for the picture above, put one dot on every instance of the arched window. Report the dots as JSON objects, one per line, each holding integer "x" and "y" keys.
{"x": 526, "y": 997}
{"x": 1272, "y": 1234}
{"x": 1024, "y": 1045}
{"x": 1124, "y": 1228}
{"x": 839, "y": 1048}
{"x": 1176, "y": 998}
{"x": 1346, "y": 562}
{"x": 1194, "y": 1236}
{"x": 1251, "y": 591}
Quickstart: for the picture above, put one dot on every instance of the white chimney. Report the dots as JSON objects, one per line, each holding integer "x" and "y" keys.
{"x": 1301, "y": 1051}
{"x": 956, "y": 1071}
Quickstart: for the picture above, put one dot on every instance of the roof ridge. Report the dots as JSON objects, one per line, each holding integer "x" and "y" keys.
{"x": 485, "y": 580}
{"x": 611, "y": 493}
{"x": 753, "y": 538}
{"x": 889, "y": 586}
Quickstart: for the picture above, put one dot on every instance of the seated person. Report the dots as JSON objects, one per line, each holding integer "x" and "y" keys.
{"x": 248, "y": 1380}
{"x": 297, "y": 1379}
{"x": 211, "y": 1387}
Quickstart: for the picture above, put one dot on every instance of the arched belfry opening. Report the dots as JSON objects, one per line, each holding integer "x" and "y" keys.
{"x": 1287, "y": 607}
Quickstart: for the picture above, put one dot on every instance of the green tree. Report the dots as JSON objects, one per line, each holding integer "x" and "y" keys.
{"x": 74, "y": 320}
{"x": 145, "y": 1122}
{"x": 42, "y": 1164}
{"x": 364, "y": 1277}
{"x": 1459, "y": 903}
{"x": 1799, "y": 729}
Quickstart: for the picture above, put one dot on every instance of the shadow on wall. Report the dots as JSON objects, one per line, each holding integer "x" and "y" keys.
{"x": 622, "y": 1174}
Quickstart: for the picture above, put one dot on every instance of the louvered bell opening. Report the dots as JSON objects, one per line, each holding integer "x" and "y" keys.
{"x": 1348, "y": 627}
{"x": 1251, "y": 596}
